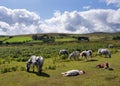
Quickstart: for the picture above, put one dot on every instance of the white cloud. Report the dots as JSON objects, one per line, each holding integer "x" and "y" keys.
{"x": 115, "y": 2}
{"x": 96, "y": 20}
{"x": 86, "y": 7}
{"x": 17, "y": 21}
{"x": 21, "y": 21}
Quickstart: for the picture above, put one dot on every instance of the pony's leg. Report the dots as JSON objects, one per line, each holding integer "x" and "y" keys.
{"x": 109, "y": 55}
{"x": 90, "y": 57}
{"x": 78, "y": 57}
{"x": 69, "y": 58}
{"x": 33, "y": 68}
{"x": 85, "y": 58}
{"x": 81, "y": 57}
{"x": 39, "y": 69}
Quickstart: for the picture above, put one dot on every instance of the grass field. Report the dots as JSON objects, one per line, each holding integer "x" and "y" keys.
{"x": 13, "y": 60}
{"x": 52, "y": 77}
{"x": 3, "y": 38}
{"x": 19, "y": 39}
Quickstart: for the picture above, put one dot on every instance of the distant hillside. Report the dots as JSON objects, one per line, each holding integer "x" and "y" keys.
{"x": 57, "y": 37}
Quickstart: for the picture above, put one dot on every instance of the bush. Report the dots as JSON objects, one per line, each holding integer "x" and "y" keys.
{"x": 1, "y": 42}
{"x": 63, "y": 57}
{"x": 5, "y": 69}
{"x": 52, "y": 67}
{"x": 116, "y": 38}
{"x": 22, "y": 68}
{"x": 21, "y": 59}
{"x": 14, "y": 68}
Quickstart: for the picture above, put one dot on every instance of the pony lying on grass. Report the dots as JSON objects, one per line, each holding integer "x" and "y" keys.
{"x": 103, "y": 65}
{"x": 73, "y": 73}
{"x": 35, "y": 61}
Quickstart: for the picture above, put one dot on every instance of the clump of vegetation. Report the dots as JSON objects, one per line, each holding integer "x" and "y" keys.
{"x": 51, "y": 67}
{"x": 45, "y": 38}
{"x": 116, "y": 38}
{"x": 22, "y": 68}
{"x": 8, "y": 69}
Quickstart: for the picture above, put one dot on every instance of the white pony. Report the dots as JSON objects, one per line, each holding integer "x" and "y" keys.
{"x": 86, "y": 53}
{"x": 74, "y": 55}
{"x": 73, "y": 73}
{"x": 35, "y": 61}
{"x": 105, "y": 52}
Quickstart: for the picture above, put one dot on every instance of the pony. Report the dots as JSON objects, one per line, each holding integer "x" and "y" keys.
{"x": 35, "y": 61}
{"x": 110, "y": 46}
{"x": 86, "y": 53}
{"x": 74, "y": 55}
{"x": 63, "y": 52}
{"x": 105, "y": 52}
{"x": 103, "y": 65}
{"x": 73, "y": 73}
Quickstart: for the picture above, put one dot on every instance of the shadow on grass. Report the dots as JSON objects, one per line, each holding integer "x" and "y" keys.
{"x": 111, "y": 77}
{"x": 111, "y": 69}
{"x": 62, "y": 60}
{"x": 44, "y": 74}
{"x": 41, "y": 74}
{"x": 92, "y": 60}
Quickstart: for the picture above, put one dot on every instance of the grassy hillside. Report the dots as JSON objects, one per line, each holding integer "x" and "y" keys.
{"x": 13, "y": 59}
{"x": 59, "y": 37}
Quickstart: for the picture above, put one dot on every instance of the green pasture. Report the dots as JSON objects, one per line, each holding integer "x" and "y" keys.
{"x": 3, "y": 38}
{"x": 13, "y": 58}
{"x": 53, "y": 77}
{"x": 19, "y": 39}
{"x": 65, "y": 39}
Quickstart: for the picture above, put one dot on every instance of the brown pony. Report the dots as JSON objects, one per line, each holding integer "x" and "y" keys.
{"x": 103, "y": 65}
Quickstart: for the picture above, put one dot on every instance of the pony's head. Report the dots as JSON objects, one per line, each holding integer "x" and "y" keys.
{"x": 99, "y": 52}
{"x": 28, "y": 66}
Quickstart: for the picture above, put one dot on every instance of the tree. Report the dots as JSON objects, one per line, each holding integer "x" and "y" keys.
{"x": 116, "y": 38}
{"x": 82, "y": 38}
{"x": 35, "y": 37}
{"x": 1, "y": 42}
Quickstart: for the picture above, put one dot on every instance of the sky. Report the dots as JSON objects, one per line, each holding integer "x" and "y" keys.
{"x": 19, "y": 17}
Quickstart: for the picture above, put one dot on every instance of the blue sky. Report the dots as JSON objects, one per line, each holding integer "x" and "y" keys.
{"x": 46, "y": 8}
{"x": 61, "y": 16}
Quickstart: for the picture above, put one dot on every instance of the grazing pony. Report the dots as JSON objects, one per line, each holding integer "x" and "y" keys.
{"x": 63, "y": 52}
{"x": 110, "y": 46}
{"x": 105, "y": 52}
{"x": 35, "y": 61}
{"x": 74, "y": 55}
{"x": 86, "y": 53}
